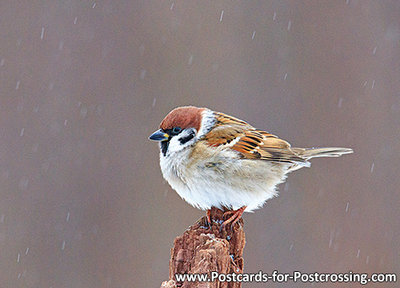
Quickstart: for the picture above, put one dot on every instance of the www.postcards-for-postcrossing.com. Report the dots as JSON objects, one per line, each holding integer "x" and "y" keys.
{"x": 296, "y": 276}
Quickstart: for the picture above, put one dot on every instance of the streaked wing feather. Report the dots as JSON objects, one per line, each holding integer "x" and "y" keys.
{"x": 228, "y": 120}
{"x": 265, "y": 146}
{"x": 226, "y": 130}
{"x": 222, "y": 135}
{"x": 250, "y": 142}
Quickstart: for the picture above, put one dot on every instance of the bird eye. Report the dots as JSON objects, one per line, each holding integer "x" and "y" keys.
{"x": 176, "y": 130}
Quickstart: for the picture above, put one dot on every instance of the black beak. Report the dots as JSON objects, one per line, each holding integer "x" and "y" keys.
{"x": 159, "y": 135}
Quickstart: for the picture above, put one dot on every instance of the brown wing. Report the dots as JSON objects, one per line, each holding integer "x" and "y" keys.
{"x": 226, "y": 130}
{"x": 250, "y": 142}
{"x": 262, "y": 145}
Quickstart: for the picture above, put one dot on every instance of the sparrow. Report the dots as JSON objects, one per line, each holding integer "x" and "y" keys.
{"x": 212, "y": 159}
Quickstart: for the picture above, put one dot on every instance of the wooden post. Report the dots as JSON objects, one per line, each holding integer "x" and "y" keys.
{"x": 204, "y": 249}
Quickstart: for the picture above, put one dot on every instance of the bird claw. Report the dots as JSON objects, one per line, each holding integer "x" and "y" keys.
{"x": 208, "y": 225}
{"x": 208, "y": 219}
{"x": 232, "y": 220}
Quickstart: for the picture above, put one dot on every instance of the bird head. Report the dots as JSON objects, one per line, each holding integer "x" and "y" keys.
{"x": 183, "y": 127}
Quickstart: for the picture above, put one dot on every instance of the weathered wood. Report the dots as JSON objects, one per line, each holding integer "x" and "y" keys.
{"x": 203, "y": 249}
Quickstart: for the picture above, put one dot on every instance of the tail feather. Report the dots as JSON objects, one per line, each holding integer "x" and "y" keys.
{"x": 309, "y": 153}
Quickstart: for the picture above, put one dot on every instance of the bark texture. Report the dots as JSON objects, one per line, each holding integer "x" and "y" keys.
{"x": 203, "y": 249}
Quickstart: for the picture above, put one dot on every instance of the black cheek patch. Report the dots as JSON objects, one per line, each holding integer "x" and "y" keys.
{"x": 184, "y": 140}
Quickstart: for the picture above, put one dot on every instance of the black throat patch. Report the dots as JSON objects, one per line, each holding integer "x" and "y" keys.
{"x": 164, "y": 147}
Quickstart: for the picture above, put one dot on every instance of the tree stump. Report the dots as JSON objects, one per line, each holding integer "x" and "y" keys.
{"x": 203, "y": 249}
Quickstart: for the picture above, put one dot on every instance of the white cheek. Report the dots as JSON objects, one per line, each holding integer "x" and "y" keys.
{"x": 174, "y": 145}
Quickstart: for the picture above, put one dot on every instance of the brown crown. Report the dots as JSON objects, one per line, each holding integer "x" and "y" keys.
{"x": 183, "y": 117}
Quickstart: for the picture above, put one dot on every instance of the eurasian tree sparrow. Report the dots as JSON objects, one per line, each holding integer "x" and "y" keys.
{"x": 212, "y": 159}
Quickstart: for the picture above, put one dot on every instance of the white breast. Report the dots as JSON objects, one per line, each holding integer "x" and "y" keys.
{"x": 221, "y": 178}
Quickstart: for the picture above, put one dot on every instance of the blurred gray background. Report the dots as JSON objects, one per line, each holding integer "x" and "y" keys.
{"x": 84, "y": 83}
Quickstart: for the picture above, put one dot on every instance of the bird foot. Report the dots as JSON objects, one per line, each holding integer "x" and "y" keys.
{"x": 237, "y": 214}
